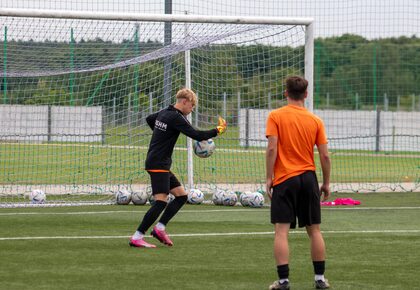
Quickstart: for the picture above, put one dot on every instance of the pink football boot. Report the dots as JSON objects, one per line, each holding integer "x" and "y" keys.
{"x": 162, "y": 236}
{"x": 140, "y": 243}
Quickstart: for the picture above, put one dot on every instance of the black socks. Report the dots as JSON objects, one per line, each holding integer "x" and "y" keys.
{"x": 151, "y": 215}
{"x": 173, "y": 208}
{"x": 319, "y": 267}
{"x": 283, "y": 271}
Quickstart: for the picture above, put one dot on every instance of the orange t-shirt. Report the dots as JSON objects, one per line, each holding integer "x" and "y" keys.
{"x": 298, "y": 131}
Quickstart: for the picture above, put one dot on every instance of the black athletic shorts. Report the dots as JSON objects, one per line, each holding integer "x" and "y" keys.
{"x": 163, "y": 182}
{"x": 297, "y": 197}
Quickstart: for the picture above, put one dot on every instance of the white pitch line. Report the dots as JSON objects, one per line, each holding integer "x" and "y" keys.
{"x": 120, "y": 237}
{"x": 200, "y": 211}
{"x": 128, "y": 211}
{"x": 214, "y": 235}
{"x": 69, "y": 213}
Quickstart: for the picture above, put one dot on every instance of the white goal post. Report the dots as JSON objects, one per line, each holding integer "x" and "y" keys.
{"x": 251, "y": 64}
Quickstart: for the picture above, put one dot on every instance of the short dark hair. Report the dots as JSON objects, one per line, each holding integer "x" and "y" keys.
{"x": 296, "y": 87}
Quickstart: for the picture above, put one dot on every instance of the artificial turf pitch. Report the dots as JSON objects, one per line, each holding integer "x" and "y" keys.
{"x": 372, "y": 246}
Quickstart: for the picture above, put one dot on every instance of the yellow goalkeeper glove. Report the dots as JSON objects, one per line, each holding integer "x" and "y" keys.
{"x": 221, "y": 126}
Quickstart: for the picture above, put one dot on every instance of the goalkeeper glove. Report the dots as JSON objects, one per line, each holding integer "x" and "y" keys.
{"x": 221, "y": 126}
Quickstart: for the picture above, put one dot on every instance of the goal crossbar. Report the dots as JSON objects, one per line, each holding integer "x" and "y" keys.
{"x": 85, "y": 15}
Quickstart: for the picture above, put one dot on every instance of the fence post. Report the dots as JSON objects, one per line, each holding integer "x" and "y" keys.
{"x": 103, "y": 125}
{"x": 385, "y": 102}
{"x": 5, "y": 100}
{"x": 239, "y": 105}
{"x": 114, "y": 111}
{"x": 129, "y": 117}
{"x": 150, "y": 103}
{"x": 246, "y": 128}
{"x": 72, "y": 42}
{"x": 49, "y": 122}
{"x": 378, "y": 128}
{"x": 224, "y": 105}
{"x": 357, "y": 101}
{"x": 328, "y": 100}
{"x": 413, "y": 102}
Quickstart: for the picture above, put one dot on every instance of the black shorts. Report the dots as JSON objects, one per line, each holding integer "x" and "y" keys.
{"x": 297, "y": 197}
{"x": 163, "y": 182}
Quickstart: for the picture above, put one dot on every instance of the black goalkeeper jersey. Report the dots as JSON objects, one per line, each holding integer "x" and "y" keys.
{"x": 167, "y": 124}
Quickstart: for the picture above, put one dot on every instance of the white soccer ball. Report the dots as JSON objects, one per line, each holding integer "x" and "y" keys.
{"x": 123, "y": 196}
{"x": 256, "y": 199}
{"x": 151, "y": 199}
{"x": 37, "y": 196}
{"x": 244, "y": 198}
{"x": 204, "y": 149}
{"x": 139, "y": 197}
{"x": 230, "y": 199}
{"x": 170, "y": 198}
{"x": 195, "y": 196}
{"x": 218, "y": 197}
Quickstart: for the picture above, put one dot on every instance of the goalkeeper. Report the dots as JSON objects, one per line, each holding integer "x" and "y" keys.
{"x": 167, "y": 124}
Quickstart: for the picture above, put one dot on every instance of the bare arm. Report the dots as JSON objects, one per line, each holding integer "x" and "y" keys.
{"x": 324, "y": 158}
{"x": 270, "y": 158}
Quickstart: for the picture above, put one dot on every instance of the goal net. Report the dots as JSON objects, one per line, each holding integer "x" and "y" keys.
{"x": 76, "y": 89}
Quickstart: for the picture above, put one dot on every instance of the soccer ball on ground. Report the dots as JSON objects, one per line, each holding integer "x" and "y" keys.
{"x": 139, "y": 198}
{"x": 37, "y": 196}
{"x": 244, "y": 198}
{"x": 195, "y": 196}
{"x": 204, "y": 149}
{"x": 171, "y": 197}
{"x": 218, "y": 197}
{"x": 123, "y": 196}
{"x": 256, "y": 199}
{"x": 230, "y": 199}
{"x": 151, "y": 198}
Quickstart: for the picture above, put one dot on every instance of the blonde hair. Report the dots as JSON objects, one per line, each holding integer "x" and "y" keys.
{"x": 186, "y": 94}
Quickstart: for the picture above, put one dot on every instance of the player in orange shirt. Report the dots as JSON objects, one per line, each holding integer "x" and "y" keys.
{"x": 292, "y": 132}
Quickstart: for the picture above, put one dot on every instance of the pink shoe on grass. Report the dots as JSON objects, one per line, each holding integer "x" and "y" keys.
{"x": 162, "y": 236}
{"x": 140, "y": 243}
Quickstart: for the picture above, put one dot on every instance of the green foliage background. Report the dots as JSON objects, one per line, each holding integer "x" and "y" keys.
{"x": 345, "y": 66}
